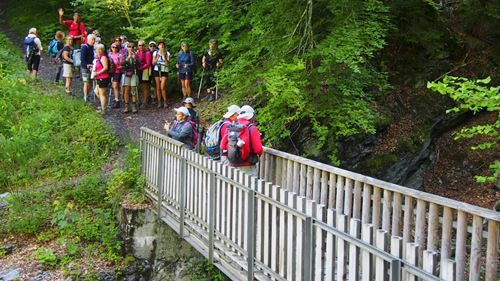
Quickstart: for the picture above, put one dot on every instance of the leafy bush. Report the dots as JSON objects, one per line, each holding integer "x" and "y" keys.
{"x": 28, "y": 212}
{"x": 46, "y": 257}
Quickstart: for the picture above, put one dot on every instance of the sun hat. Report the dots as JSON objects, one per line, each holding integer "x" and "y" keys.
{"x": 247, "y": 112}
{"x": 152, "y": 42}
{"x": 231, "y": 110}
{"x": 183, "y": 110}
{"x": 189, "y": 100}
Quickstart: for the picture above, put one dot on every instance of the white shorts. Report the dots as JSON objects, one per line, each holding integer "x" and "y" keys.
{"x": 131, "y": 81}
{"x": 67, "y": 70}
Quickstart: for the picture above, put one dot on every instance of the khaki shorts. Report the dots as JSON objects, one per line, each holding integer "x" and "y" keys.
{"x": 145, "y": 74}
{"x": 131, "y": 81}
{"x": 67, "y": 70}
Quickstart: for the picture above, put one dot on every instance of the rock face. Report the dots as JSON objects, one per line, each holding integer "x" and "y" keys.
{"x": 156, "y": 250}
{"x": 10, "y": 274}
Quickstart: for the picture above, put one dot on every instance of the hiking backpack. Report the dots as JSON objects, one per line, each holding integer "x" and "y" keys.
{"x": 212, "y": 139}
{"x": 191, "y": 123}
{"x": 53, "y": 51}
{"x": 77, "y": 59}
{"x": 234, "y": 152}
{"x": 31, "y": 47}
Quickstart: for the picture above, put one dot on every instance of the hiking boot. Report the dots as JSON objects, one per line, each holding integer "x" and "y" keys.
{"x": 159, "y": 105}
{"x": 116, "y": 104}
{"x": 134, "y": 108}
{"x": 126, "y": 108}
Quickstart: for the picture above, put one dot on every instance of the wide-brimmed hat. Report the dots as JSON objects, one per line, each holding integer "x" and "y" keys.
{"x": 183, "y": 110}
{"x": 246, "y": 112}
{"x": 189, "y": 100}
{"x": 231, "y": 110}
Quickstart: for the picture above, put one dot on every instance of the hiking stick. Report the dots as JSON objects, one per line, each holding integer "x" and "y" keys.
{"x": 216, "y": 83}
{"x": 201, "y": 83}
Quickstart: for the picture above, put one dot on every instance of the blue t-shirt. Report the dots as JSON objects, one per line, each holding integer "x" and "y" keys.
{"x": 86, "y": 55}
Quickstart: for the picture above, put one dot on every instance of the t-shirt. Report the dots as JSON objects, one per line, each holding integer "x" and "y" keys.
{"x": 68, "y": 49}
{"x": 211, "y": 60}
{"x": 162, "y": 60}
{"x": 87, "y": 55}
{"x": 75, "y": 29}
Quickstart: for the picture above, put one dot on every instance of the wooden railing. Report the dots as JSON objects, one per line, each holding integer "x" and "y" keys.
{"x": 425, "y": 229}
{"x": 258, "y": 229}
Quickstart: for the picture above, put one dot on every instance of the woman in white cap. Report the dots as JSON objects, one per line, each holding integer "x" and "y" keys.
{"x": 181, "y": 128}
{"x": 230, "y": 117}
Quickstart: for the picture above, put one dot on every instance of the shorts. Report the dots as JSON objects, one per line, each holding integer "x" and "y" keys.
{"x": 67, "y": 70}
{"x": 103, "y": 83}
{"x": 130, "y": 80}
{"x": 186, "y": 76}
{"x": 159, "y": 74}
{"x": 86, "y": 75}
{"x": 34, "y": 63}
{"x": 144, "y": 75}
{"x": 116, "y": 77}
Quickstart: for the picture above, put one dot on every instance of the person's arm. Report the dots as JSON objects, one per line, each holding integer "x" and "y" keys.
{"x": 61, "y": 14}
{"x": 66, "y": 56}
{"x": 204, "y": 61}
{"x": 256, "y": 141}
{"x": 191, "y": 60}
{"x": 148, "y": 60}
{"x": 185, "y": 132}
{"x": 83, "y": 33}
{"x": 38, "y": 43}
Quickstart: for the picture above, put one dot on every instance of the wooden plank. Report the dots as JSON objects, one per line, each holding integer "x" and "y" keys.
{"x": 341, "y": 247}
{"x": 267, "y": 226}
{"x": 283, "y": 249}
{"x": 376, "y": 208}
{"x": 301, "y": 207}
{"x": 367, "y": 202}
{"x": 319, "y": 242}
{"x": 380, "y": 264}
{"x": 324, "y": 188}
{"x": 316, "y": 186}
{"x": 284, "y": 173}
{"x": 262, "y": 165}
{"x": 475, "y": 252}
{"x": 246, "y": 182}
{"x": 296, "y": 177}
{"x": 407, "y": 222}
{"x": 366, "y": 257}
{"x": 429, "y": 262}
{"x": 485, "y": 213}
{"x": 277, "y": 175}
{"x": 330, "y": 247}
{"x": 432, "y": 233}
{"x": 259, "y": 233}
{"x": 492, "y": 251}
{"x": 224, "y": 204}
{"x": 356, "y": 208}
{"x": 396, "y": 214}
{"x": 289, "y": 175}
{"x": 448, "y": 270}
{"x": 354, "y": 231}
{"x": 332, "y": 183}
{"x": 420, "y": 229}
{"x": 274, "y": 229}
{"x": 339, "y": 205}
{"x": 348, "y": 197}
{"x": 386, "y": 211}
{"x": 268, "y": 168}
{"x": 411, "y": 256}
{"x": 397, "y": 246}
{"x": 309, "y": 181}
{"x": 303, "y": 180}
{"x": 291, "y": 238}
{"x": 446, "y": 235}
{"x": 240, "y": 209}
{"x": 461, "y": 238}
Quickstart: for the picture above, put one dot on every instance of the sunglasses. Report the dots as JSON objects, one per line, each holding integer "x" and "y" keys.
{"x": 140, "y": 45}
{"x": 131, "y": 47}
{"x": 114, "y": 47}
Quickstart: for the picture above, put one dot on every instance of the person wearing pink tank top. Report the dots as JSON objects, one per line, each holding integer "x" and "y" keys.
{"x": 101, "y": 74}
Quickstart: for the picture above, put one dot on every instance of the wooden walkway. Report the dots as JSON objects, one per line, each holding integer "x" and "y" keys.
{"x": 304, "y": 220}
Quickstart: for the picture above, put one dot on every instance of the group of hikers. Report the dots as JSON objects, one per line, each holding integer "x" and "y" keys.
{"x": 234, "y": 140}
{"x": 124, "y": 68}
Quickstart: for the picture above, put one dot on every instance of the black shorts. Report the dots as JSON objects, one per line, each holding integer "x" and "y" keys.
{"x": 34, "y": 63}
{"x": 159, "y": 74}
{"x": 186, "y": 76}
{"x": 116, "y": 77}
{"x": 103, "y": 83}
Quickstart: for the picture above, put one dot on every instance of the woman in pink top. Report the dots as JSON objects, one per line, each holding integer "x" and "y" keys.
{"x": 145, "y": 60}
{"x": 116, "y": 58}
{"x": 101, "y": 74}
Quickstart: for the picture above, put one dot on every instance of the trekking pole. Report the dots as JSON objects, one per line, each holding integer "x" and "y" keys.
{"x": 201, "y": 82}
{"x": 216, "y": 83}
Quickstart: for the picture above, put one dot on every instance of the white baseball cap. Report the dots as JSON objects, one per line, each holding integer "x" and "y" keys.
{"x": 246, "y": 112}
{"x": 183, "y": 110}
{"x": 231, "y": 110}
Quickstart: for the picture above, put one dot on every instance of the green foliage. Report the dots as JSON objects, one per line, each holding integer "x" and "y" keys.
{"x": 206, "y": 271}
{"x": 28, "y": 211}
{"x": 46, "y": 257}
{"x": 475, "y": 96}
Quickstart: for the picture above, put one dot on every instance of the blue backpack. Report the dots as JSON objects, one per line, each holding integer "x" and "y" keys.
{"x": 53, "y": 51}
{"x": 213, "y": 138}
{"x": 30, "y": 47}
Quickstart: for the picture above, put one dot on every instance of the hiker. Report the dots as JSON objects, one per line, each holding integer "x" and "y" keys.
{"x": 55, "y": 50}
{"x": 181, "y": 129}
{"x": 33, "y": 47}
{"x": 161, "y": 61}
{"x": 211, "y": 62}
{"x": 76, "y": 28}
{"x": 67, "y": 62}
{"x": 145, "y": 61}
{"x": 243, "y": 143}
{"x": 123, "y": 45}
{"x": 230, "y": 117}
{"x": 152, "y": 48}
{"x": 116, "y": 59}
{"x": 86, "y": 61}
{"x": 101, "y": 74}
{"x": 129, "y": 77}
{"x": 185, "y": 64}
{"x": 193, "y": 115}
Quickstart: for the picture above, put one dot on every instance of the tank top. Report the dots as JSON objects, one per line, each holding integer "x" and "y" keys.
{"x": 99, "y": 67}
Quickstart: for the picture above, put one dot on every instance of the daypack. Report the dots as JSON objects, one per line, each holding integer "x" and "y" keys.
{"x": 30, "y": 47}
{"x": 191, "y": 123}
{"x": 53, "y": 51}
{"x": 77, "y": 59}
{"x": 213, "y": 138}
{"x": 234, "y": 152}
